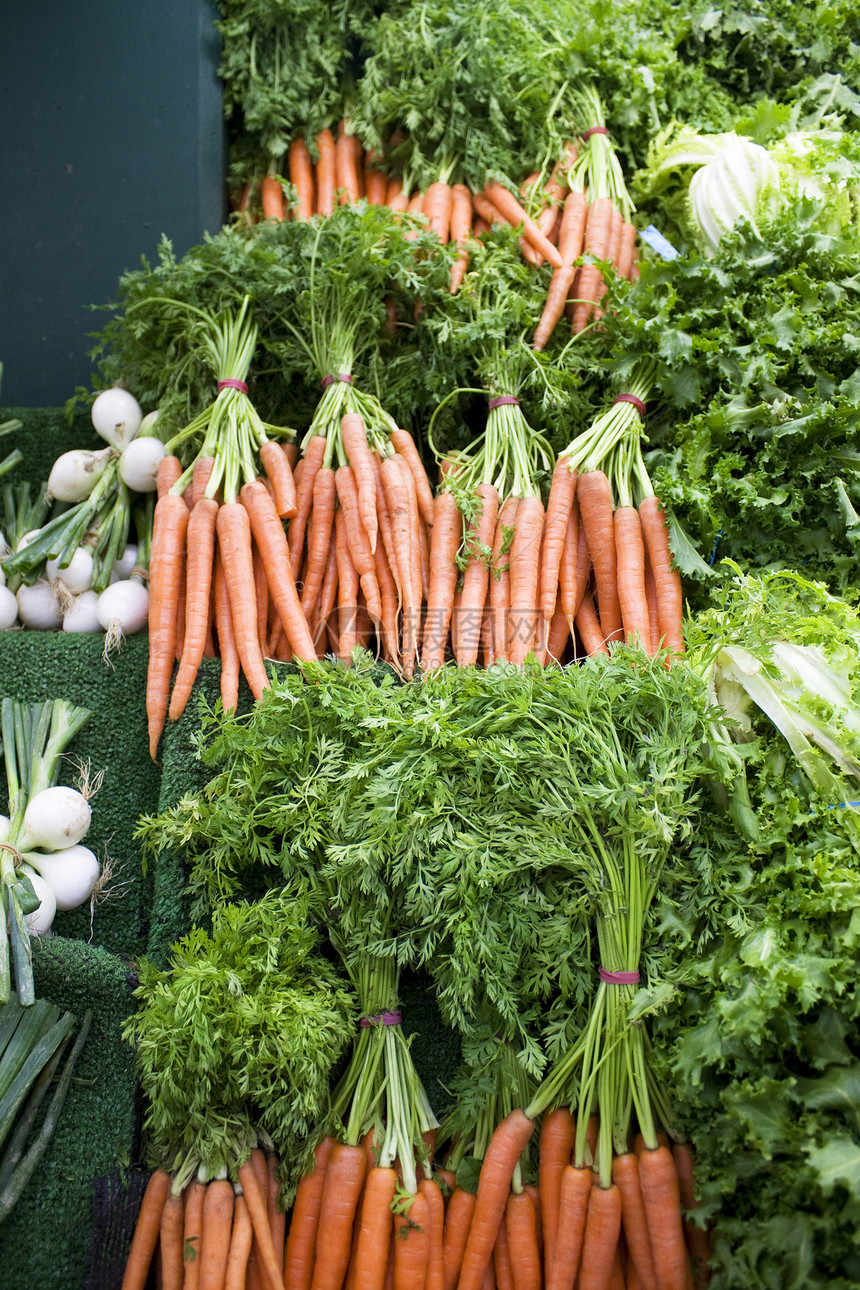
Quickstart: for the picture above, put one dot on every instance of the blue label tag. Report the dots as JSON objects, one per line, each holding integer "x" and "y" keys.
{"x": 659, "y": 243}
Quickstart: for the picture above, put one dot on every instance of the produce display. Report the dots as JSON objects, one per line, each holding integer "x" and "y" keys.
{"x": 493, "y": 524}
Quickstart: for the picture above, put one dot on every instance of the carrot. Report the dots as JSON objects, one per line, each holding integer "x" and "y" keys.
{"x": 171, "y": 1240}
{"x": 411, "y": 1246}
{"x": 328, "y": 593}
{"x": 280, "y": 476}
{"x": 570, "y": 237}
{"x": 320, "y": 522}
{"x": 217, "y": 1228}
{"x": 383, "y": 516}
{"x": 326, "y": 172}
{"x": 563, "y": 1264}
{"x": 661, "y": 1195}
{"x": 375, "y": 180}
{"x": 583, "y": 566}
{"x": 602, "y": 1229}
{"x": 639, "y": 1142}
{"x": 567, "y": 567}
{"x": 630, "y": 555}
{"x": 240, "y": 1245}
{"x": 226, "y": 641}
{"x": 404, "y": 444}
{"x": 500, "y": 1160}
{"x": 595, "y": 512}
{"x": 625, "y": 1175}
{"x": 272, "y": 542}
{"x": 559, "y": 635}
{"x": 201, "y": 550}
{"x": 169, "y": 527}
{"x": 508, "y": 206}
{"x": 272, "y": 195}
{"x": 500, "y": 578}
{"x": 375, "y": 1229}
{"x": 521, "y": 1229}
{"x": 480, "y": 226}
{"x": 556, "y": 1143}
{"x": 460, "y": 227}
{"x": 502, "y": 1261}
{"x": 357, "y": 539}
{"x": 558, "y": 509}
{"x": 590, "y": 285}
{"x": 488, "y": 656}
{"x": 419, "y": 549}
{"x": 361, "y": 459}
{"x": 531, "y": 1190}
{"x": 256, "y": 1273}
{"x": 344, "y": 1179}
{"x": 388, "y": 597}
{"x": 588, "y": 626}
{"x": 193, "y": 1233}
{"x": 616, "y": 225}
{"x": 556, "y": 190}
{"x": 617, "y": 1279}
{"x": 395, "y": 193}
{"x": 397, "y": 498}
{"x": 300, "y": 1249}
{"x": 256, "y": 1203}
{"x": 479, "y": 542}
{"x": 277, "y": 1217}
{"x": 592, "y": 1133}
{"x": 389, "y": 1267}
{"x": 416, "y": 204}
{"x": 445, "y": 1177}
{"x": 169, "y": 470}
{"x": 458, "y": 1220}
{"x": 698, "y": 1240}
{"x": 487, "y": 210}
{"x": 436, "y": 1229}
{"x": 437, "y": 208}
{"x": 670, "y": 600}
{"x": 488, "y": 1282}
{"x": 347, "y": 591}
{"x": 651, "y": 594}
{"x": 233, "y": 526}
{"x": 626, "y": 249}
{"x": 302, "y": 178}
{"x": 291, "y": 452}
{"x": 524, "y": 562}
{"x": 147, "y": 1230}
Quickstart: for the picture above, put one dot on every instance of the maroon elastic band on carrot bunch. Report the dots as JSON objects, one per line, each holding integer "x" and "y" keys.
{"x": 502, "y": 401}
{"x": 384, "y": 1019}
{"x": 232, "y": 384}
{"x": 631, "y": 398}
{"x": 330, "y": 380}
{"x": 594, "y": 129}
{"x": 618, "y": 978}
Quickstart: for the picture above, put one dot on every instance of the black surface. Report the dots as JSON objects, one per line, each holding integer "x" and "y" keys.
{"x": 112, "y": 130}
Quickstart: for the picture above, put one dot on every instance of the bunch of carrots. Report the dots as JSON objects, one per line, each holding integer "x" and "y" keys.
{"x": 206, "y": 1233}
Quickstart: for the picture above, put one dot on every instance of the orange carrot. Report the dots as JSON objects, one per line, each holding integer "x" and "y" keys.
{"x": 226, "y": 641}
{"x": 670, "y": 600}
{"x": 357, "y": 539}
{"x": 574, "y": 1192}
{"x": 632, "y": 600}
{"x": 616, "y": 225}
{"x": 487, "y": 210}
{"x": 272, "y": 542}
{"x": 361, "y": 459}
{"x": 555, "y": 190}
{"x": 346, "y": 168}
{"x": 500, "y": 1160}
{"x": 590, "y": 286}
{"x": 461, "y": 224}
{"x": 256, "y": 1203}
{"x": 169, "y": 470}
{"x": 488, "y": 656}
{"x": 651, "y": 594}
{"x": 444, "y": 545}
{"x": 595, "y": 512}
{"x": 328, "y": 592}
{"x": 508, "y": 206}
{"x": 437, "y": 209}
{"x": 588, "y": 626}
{"x": 502, "y": 1261}
{"x": 277, "y": 1217}
{"x": 602, "y": 1229}
{"x": 558, "y": 509}
{"x": 521, "y": 1229}
{"x": 436, "y": 1229}
{"x": 165, "y": 566}
{"x": 388, "y": 597}
{"x": 280, "y": 476}
{"x": 661, "y": 1195}
{"x": 411, "y": 1246}
{"x": 217, "y": 1228}
{"x": 570, "y": 237}
{"x": 394, "y": 193}
{"x": 233, "y": 526}
{"x": 532, "y": 1190}
{"x": 625, "y": 1175}
{"x": 479, "y": 542}
{"x": 626, "y": 249}
{"x": 240, "y": 1245}
{"x": 617, "y": 1279}
{"x": 302, "y": 178}
{"x": 320, "y": 526}
{"x": 404, "y": 444}
{"x": 347, "y": 591}
{"x": 193, "y": 1233}
{"x": 567, "y": 568}
{"x": 419, "y": 548}
{"x": 524, "y": 562}
{"x": 171, "y": 1247}
{"x": 291, "y": 452}
{"x": 312, "y": 461}
{"x": 559, "y": 635}
{"x": 458, "y": 1220}
{"x": 300, "y": 1249}
{"x": 256, "y": 1272}
{"x": 375, "y": 1231}
{"x": 397, "y": 498}
{"x": 201, "y": 550}
{"x": 375, "y": 182}
{"x": 556, "y": 1143}
{"x": 344, "y": 1179}
{"x": 326, "y": 173}
{"x": 639, "y": 1142}
{"x": 147, "y": 1230}
{"x": 698, "y": 1240}
{"x": 272, "y": 195}
{"x": 500, "y": 577}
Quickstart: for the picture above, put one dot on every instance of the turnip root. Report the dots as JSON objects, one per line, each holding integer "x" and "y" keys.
{"x": 117, "y": 416}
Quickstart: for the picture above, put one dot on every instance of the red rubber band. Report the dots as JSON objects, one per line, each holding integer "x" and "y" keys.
{"x": 231, "y": 384}
{"x": 618, "y": 978}
{"x": 631, "y": 398}
{"x": 384, "y": 1019}
{"x": 594, "y": 129}
{"x": 330, "y": 380}
{"x": 502, "y": 401}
